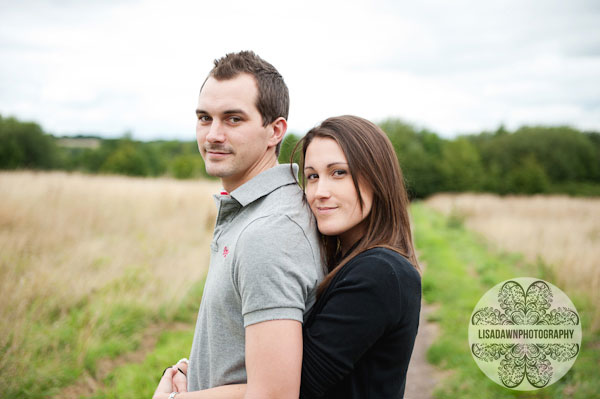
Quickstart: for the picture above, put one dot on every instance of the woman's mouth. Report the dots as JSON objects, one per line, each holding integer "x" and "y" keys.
{"x": 326, "y": 209}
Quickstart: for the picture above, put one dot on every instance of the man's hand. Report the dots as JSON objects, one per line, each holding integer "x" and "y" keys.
{"x": 274, "y": 359}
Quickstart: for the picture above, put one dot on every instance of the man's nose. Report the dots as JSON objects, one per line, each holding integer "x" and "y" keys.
{"x": 216, "y": 132}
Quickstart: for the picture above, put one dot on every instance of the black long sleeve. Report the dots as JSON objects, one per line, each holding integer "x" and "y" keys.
{"x": 359, "y": 337}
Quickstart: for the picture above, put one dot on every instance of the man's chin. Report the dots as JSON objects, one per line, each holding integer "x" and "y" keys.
{"x": 215, "y": 171}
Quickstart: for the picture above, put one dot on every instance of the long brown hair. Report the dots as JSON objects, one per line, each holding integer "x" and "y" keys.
{"x": 372, "y": 160}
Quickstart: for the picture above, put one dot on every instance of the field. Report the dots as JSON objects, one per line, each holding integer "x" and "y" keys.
{"x": 87, "y": 264}
{"x": 461, "y": 267}
{"x": 561, "y": 232}
{"x": 102, "y": 277}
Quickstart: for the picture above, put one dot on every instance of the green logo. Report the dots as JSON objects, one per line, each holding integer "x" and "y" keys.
{"x": 525, "y": 334}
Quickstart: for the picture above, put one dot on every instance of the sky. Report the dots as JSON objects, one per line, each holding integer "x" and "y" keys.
{"x": 107, "y": 67}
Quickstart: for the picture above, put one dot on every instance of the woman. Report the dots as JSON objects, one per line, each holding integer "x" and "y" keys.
{"x": 359, "y": 336}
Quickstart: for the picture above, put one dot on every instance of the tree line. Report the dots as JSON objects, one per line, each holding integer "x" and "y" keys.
{"x": 530, "y": 160}
{"x": 24, "y": 145}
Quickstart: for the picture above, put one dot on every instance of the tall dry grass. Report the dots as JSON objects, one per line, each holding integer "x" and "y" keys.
{"x": 563, "y": 231}
{"x": 65, "y": 237}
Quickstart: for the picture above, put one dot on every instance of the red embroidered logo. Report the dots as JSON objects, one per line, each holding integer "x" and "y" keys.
{"x": 225, "y": 252}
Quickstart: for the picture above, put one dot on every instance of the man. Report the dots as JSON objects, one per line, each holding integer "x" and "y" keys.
{"x": 265, "y": 263}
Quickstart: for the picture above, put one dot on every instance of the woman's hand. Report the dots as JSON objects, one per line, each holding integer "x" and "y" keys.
{"x": 179, "y": 381}
{"x": 165, "y": 386}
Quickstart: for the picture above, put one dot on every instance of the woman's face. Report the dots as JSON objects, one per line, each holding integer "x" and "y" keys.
{"x": 331, "y": 194}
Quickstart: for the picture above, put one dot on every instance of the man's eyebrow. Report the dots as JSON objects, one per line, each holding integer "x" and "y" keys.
{"x": 234, "y": 111}
{"x": 226, "y": 112}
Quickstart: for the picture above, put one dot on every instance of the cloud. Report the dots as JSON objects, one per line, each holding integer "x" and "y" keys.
{"x": 451, "y": 66}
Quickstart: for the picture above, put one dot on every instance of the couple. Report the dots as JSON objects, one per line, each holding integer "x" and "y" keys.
{"x": 289, "y": 311}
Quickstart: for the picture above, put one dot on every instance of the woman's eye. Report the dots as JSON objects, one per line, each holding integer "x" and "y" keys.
{"x": 311, "y": 176}
{"x": 339, "y": 172}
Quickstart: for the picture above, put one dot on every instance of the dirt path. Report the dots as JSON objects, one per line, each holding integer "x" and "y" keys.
{"x": 422, "y": 376}
{"x": 88, "y": 384}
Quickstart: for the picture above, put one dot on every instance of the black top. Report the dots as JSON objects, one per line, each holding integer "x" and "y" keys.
{"x": 360, "y": 334}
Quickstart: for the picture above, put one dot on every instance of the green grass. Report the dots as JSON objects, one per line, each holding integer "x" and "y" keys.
{"x": 460, "y": 268}
{"x": 140, "y": 380}
{"x": 65, "y": 345}
{"x": 57, "y": 345}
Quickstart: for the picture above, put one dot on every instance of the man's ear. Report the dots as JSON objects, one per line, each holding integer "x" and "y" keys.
{"x": 278, "y": 129}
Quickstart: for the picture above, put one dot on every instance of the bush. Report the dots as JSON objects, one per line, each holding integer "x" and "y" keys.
{"x": 187, "y": 166}
{"x": 127, "y": 160}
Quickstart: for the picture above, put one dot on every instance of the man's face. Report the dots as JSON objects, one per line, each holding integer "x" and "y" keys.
{"x": 230, "y": 133}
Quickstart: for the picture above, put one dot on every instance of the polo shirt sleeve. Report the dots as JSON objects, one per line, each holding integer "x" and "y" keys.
{"x": 275, "y": 270}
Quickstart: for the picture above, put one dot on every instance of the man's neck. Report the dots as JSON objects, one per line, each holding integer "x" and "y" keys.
{"x": 230, "y": 183}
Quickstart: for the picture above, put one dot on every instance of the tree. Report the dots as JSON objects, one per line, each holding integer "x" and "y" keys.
{"x": 419, "y": 157}
{"x": 187, "y": 166}
{"x": 287, "y": 146}
{"x": 564, "y": 153}
{"x": 127, "y": 160}
{"x": 528, "y": 177}
{"x": 461, "y": 166}
{"x": 25, "y": 145}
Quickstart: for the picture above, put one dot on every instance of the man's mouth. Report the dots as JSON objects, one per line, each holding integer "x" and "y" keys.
{"x": 217, "y": 153}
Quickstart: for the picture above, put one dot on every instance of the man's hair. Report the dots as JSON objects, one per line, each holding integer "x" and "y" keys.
{"x": 371, "y": 160}
{"x": 273, "y": 100}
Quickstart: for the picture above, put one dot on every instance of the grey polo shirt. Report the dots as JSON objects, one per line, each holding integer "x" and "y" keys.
{"x": 264, "y": 265}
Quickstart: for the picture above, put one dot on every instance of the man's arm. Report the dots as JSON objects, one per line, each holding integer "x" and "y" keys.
{"x": 165, "y": 387}
{"x": 273, "y": 365}
{"x": 274, "y": 359}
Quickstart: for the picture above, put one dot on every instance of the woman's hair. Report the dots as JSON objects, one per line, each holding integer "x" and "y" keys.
{"x": 372, "y": 161}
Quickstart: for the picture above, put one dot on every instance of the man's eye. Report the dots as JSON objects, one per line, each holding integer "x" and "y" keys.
{"x": 204, "y": 118}
{"x": 235, "y": 119}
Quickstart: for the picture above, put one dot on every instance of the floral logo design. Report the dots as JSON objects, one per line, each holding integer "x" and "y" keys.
{"x": 525, "y": 340}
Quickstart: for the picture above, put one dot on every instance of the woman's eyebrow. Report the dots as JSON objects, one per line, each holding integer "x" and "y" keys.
{"x": 329, "y": 165}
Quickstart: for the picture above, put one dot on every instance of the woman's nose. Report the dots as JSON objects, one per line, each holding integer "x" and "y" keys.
{"x": 323, "y": 189}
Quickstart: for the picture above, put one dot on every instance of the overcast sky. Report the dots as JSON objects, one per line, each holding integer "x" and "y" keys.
{"x": 106, "y": 67}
